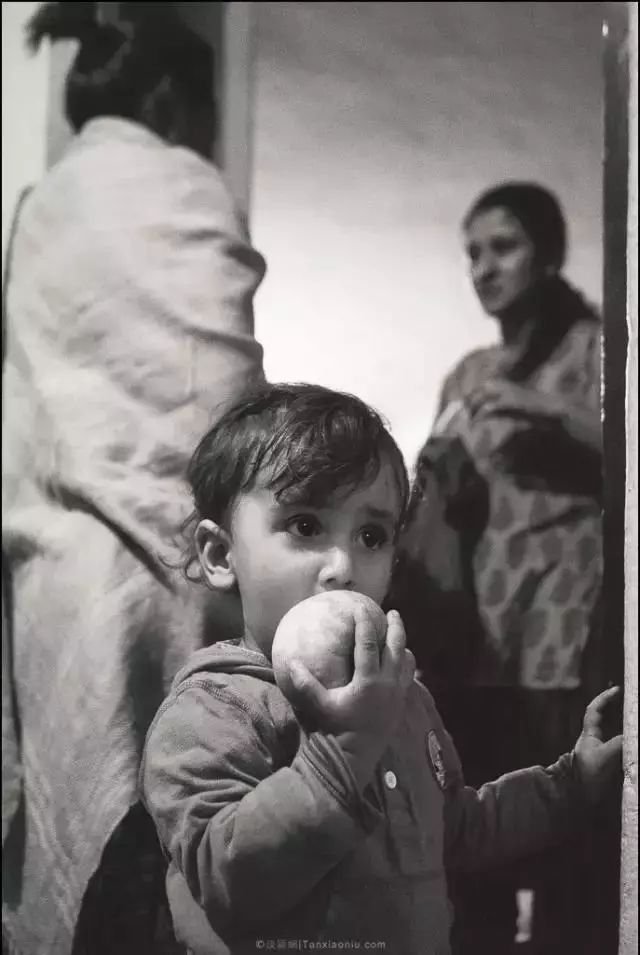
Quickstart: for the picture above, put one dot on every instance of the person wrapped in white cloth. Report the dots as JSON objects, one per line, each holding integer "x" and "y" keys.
{"x": 129, "y": 327}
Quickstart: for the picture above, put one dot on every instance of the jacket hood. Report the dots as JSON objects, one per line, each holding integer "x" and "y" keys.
{"x": 227, "y": 657}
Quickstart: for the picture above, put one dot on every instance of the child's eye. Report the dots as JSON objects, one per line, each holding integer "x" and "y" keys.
{"x": 374, "y": 537}
{"x": 304, "y": 526}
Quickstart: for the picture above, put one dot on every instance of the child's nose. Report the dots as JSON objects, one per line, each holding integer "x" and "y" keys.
{"x": 337, "y": 572}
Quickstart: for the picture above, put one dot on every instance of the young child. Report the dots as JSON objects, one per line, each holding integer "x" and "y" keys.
{"x": 283, "y": 837}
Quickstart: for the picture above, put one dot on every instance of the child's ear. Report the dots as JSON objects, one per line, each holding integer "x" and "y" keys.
{"x": 213, "y": 546}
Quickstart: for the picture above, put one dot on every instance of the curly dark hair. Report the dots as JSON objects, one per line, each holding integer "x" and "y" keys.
{"x": 305, "y": 442}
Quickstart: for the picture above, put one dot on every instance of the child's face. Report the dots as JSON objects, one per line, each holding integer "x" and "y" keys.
{"x": 282, "y": 552}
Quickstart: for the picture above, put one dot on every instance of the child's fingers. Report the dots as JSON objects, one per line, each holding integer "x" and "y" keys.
{"x": 366, "y": 653}
{"x": 613, "y": 746}
{"x": 595, "y": 710}
{"x": 396, "y": 659}
{"x": 603, "y": 698}
{"x": 610, "y": 757}
{"x": 309, "y": 695}
{"x": 408, "y": 672}
{"x": 395, "y": 641}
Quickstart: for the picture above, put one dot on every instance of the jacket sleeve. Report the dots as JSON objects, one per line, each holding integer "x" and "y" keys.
{"x": 251, "y": 839}
{"x": 520, "y": 813}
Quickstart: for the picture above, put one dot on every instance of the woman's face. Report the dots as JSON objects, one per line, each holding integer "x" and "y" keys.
{"x": 502, "y": 260}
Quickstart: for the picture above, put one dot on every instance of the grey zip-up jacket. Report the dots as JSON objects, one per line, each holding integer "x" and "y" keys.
{"x": 270, "y": 844}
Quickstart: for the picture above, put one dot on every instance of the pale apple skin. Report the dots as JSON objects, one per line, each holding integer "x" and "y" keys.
{"x": 320, "y": 633}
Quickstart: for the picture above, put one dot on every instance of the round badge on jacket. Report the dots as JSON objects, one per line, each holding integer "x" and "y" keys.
{"x": 436, "y": 758}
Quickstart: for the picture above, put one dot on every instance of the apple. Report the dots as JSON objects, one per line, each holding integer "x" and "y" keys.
{"x": 320, "y": 633}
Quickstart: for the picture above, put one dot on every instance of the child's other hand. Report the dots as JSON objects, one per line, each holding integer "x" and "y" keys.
{"x": 597, "y": 758}
{"x": 363, "y": 714}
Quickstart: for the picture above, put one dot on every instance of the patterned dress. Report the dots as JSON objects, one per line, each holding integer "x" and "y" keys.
{"x": 538, "y": 566}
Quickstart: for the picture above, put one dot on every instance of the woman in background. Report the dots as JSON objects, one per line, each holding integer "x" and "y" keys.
{"x": 503, "y": 543}
{"x": 129, "y": 327}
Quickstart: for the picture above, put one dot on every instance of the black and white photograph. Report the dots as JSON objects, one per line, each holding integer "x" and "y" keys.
{"x": 319, "y": 478}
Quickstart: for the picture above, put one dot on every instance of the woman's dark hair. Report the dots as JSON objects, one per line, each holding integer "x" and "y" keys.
{"x": 558, "y": 303}
{"x": 120, "y": 65}
{"x": 303, "y": 441}
{"x": 537, "y": 210}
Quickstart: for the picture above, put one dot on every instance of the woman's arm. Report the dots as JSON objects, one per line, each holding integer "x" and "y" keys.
{"x": 506, "y": 399}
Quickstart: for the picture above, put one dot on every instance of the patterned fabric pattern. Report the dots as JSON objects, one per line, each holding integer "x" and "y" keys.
{"x": 538, "y": 566}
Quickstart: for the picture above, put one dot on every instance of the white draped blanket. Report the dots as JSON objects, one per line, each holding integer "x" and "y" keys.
{"x": 130, "y": 325}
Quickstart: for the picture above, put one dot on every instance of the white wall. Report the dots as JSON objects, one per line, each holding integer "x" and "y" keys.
{"x": 376, "y": 124}
{"x": 24, "y": 110}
